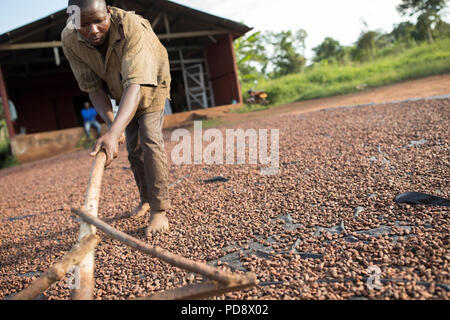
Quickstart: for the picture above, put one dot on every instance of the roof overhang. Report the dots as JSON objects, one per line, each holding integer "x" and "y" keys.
{"x": 33, "y": 48}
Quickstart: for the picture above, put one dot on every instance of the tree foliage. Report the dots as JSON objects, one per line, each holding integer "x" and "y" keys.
{"x": 412, "y": 7}
{"x": 270, "y": 54}
{"x": 428, "y": 18}
{"x": 275, "y": 54}
{"x": 2, "y": 115}
{"x": 366, "y": 46}
{"x": 329, "y": 49}
{"x": 251, "y": 56}
{"x": 286, "y": 57}
{"x": 404, "y": 32}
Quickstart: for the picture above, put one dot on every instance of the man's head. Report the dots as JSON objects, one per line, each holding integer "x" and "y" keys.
{"x": 87, "y": 105}
{"x": 95, "y": 20}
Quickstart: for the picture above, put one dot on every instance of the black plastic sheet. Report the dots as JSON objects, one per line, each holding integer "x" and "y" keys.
{"x": 421, "y": 198}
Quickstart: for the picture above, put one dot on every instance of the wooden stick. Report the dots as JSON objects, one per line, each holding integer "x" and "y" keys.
{"x": 59, "y": 269}
{"x": 197, "y": 291}
{"x": 210, "y": 272}
{"x": 86, "y": 290}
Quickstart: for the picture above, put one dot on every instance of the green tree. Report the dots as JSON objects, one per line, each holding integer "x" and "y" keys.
{"x": 286, "y": 58}
{"x": 442, "y": 29}
{"x": 251, "y": 56}
{"x": 428, "y": 18}
{"x": 329, "y": 49}
{"x": 366, "y": 46}
{"x": 404, "y": 32}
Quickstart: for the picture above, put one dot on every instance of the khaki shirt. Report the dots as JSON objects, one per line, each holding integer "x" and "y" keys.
{"x": 134, "y": 56}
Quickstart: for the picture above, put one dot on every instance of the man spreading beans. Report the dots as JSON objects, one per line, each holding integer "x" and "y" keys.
{"x": 112, "y": 51}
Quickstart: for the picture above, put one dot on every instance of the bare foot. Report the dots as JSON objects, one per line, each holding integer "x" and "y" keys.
{"x": 157, "y": 222}
{"x": 140, "y": 210}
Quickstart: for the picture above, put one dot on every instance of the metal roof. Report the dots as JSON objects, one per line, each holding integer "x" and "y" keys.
{"x": 177, "y": 26}
{"x": 49, "y": 28}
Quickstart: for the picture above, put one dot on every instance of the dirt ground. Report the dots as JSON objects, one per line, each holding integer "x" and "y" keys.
{"x": 315, "y": 230}
{"x": 425, "y": 87}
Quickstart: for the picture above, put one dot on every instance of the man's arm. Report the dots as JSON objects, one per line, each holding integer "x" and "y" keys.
{"x": 102, "y": 105}
{"x": 127, "y": 110}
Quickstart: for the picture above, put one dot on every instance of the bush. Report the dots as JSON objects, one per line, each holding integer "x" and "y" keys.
{"x": 8, "y": 161}
{"x": 86, "y": 142}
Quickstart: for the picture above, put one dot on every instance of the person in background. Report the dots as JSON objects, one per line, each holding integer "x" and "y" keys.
{"x": 12, "y": 111}
{"x": 168, "y": 108}
{"x": 89, "y": 116}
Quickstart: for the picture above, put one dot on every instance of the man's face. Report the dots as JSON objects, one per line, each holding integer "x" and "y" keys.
{"x": 95, "y": 23}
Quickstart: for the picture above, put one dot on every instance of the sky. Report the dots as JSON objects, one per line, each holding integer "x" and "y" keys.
{"x": 341, "y": 20}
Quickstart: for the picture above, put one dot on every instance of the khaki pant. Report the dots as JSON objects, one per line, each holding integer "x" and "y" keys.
{"x": 148, "y": 159}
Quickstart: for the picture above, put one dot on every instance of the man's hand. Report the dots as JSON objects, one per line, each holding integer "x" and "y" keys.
{"x": 122, "y": 136}
{"x": 110, "y": 144}
{"x": 122, "y": 139}
{"x": 127, "y": 109}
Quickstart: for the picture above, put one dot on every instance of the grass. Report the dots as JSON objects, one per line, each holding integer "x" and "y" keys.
{"x": 4, "y": 146}
{"x": 86, "y": 142}
{"x": 8, "y": 161}
{"x": 324, "y": 80}
{"x": 210, "y": 123}
{"x": 4, "y": 140}
{"x": 250, "y": 108}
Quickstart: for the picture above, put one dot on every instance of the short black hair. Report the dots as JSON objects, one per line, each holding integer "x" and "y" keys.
{"x": 83, "y": 3}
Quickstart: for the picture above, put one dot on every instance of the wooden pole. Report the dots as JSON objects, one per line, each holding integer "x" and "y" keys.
{"x": 235, "y": 68}
{"x": 208, "y": 271}
{"x": 5, "y": 103}
{"x": 59, "y": 269}
{"x": 197, "y": 291}
{"x": 30, "y": 45}
{"x": 86, "y": 290}
{"x": 52, "y": 44}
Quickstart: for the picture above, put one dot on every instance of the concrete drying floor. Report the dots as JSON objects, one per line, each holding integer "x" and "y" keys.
{"x": 312, "y": 231}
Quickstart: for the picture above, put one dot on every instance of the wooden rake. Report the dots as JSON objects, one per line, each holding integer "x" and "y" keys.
{"x": 82, "y": 255}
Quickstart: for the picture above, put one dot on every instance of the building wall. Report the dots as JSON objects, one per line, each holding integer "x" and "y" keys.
{"x": 37, "y": 146}
{"x": 45, "y": 103}
{"x": 223, "y": 71}
{"x": 43, "y": 145}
